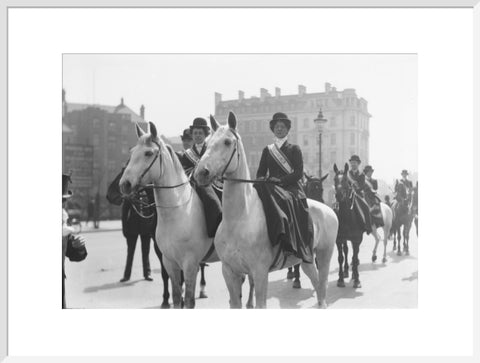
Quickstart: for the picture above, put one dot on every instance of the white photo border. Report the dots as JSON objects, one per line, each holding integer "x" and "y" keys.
{"x": 476, "y": 149}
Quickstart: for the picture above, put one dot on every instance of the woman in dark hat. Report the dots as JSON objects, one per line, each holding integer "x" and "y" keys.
{"x": 73, "y": 247}
{"x": 287, "y": 212}
{"x": 357, "y": 180}
{"x": 211, "y": 199}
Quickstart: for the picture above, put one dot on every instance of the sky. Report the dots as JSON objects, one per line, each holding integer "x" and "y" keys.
{"x": 176, "y": 88}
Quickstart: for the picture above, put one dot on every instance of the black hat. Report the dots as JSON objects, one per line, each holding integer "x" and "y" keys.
{"x": 405, "y": 171}
{"x": 280, "y": 116}
{"x": 200, "y": 123}
{"x": 187, "y": 135}
{"x": 368, "y": 168}
{"x": 65, "y": 181}
{"x": 355, "y": 158}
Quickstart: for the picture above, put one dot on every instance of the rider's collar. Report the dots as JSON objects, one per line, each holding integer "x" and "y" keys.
{"x": 199, "y": 147}
{"x": 280, "y": 142}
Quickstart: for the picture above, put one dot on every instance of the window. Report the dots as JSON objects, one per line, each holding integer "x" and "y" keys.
{"x": 333, "y": 139}
{"x": 352, "y": 120}
{"x": 305, "y": 140}
{"x": 251, "y": 125}
{"x": 333, "y": 157}
{"x": 352, "y": 138}
{"x": 306, "y": 123}
{"x": 333, "y": 121}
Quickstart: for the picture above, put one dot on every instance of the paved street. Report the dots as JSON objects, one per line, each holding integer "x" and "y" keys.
{"x": 94, "y": 283}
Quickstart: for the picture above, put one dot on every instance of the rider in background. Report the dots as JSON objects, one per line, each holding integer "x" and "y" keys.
{"x": 211, "y": 200}
{"x": 371, "y": 187}
{"x": 403, "y": 188}
{"x": 187, "y": 142}
{"x": 357, "y": 181}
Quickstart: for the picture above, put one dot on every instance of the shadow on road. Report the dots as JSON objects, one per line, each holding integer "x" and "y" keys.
{"x": 395, "y": 258}
{"x": 335, "y": 293}
{"x": 110, "y": 286}
{"x": 412, "y": 277}
{"x": 288, "y": 297}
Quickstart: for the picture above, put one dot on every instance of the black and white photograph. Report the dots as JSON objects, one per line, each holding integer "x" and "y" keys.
{"x": 279, "y": 181}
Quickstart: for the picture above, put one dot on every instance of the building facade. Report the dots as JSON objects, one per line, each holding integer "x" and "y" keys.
{"x": 346, "y": 131}
{"x": 96, "y": 143}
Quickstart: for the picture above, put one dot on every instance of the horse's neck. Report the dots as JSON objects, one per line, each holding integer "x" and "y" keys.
{"x": 169, "y": 199}
{"x": 238, "y": 196}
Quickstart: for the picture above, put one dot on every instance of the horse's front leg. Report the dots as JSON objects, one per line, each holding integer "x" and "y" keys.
{"x": 174, "y": 272}
{"x": 385, "y": 241}
{"x": 250, "y": 292}
{"x": 346, "y": 266}
{"x": 260, "y": 278}
{"x": 355, "y": 263}
{"x": 377, "y": 239}
{"x": 399, "y": 240}
{"x": 203, "y": 283}
{"x": 190, "y": 271}
{"x": 296, "y": 273}
{"x": 340, "y": 282}
{"x": 166, "y": 294}
{"x": 234, "y": 284}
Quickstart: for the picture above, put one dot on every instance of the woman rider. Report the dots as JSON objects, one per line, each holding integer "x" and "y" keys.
{"x": 283, "y": 197}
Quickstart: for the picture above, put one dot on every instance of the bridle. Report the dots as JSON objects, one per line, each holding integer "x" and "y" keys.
{"x": 235, "y": 151}
{"x": 134, "y": 199}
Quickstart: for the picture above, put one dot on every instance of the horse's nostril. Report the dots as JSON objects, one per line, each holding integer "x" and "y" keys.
{"x": 206, "y": 172}
{"x": 127, "y": 187}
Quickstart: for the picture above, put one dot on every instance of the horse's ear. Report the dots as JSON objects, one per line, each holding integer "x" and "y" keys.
{"x": 153, "y": 130}
{"x": 213, "y": 123}
{"x": 139, "y": 130}
{"x": 232, "y": 120}
{"x": 346, "y": 168}
{"x": 335, "y": 169}
{"x": 324, "y": 177}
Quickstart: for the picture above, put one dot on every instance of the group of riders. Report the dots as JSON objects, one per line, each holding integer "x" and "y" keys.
{"x": 280, "y": 186}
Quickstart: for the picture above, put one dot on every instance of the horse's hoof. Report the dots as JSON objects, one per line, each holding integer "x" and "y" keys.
{"x": 322, "y": 305}
{"x": 407, "y": 253}
{"x": 202, "y": 295}
{"x": 165, "y": 305}
{"x": 384, "y": 259}
{"x": 290, "y": 275}
{"x": 296, "y": 284}
{"x": 374, "y": 258}
{"x": 357, "y": 284}
{"x": 399, "y": 253}
{"x": 345, "y": 274}
{"x": 341, "y": 283}
{"x": 249, "y": 306}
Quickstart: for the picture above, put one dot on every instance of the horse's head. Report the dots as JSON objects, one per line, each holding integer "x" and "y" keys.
{"x": 342, "y": 186}
{"x": 222, "y": 156}
{"x": 314, "y": 187}
{"x": 145, "y": 163}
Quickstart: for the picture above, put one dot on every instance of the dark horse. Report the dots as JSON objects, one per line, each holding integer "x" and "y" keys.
{"x": 403, "y": 215}
{"x": 314, "y": 190}
{"x": 415, "y": 206}
{"x": 350, "y": 227}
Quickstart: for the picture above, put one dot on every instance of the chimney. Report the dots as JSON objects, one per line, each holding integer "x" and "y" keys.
{"x": 63, "y": 94}
{"x": 218, "y": 98}
{"x": 64, "y": 103}
{"x": 263, "y": 94}
{"x": 142, "y": 111}
{"x": 241, "y": 95}
{"x": 121, "y": 102}
{"x": 277, "y": 92}
{"x": 328, "y": 87}
{"x": 302, "y": 90}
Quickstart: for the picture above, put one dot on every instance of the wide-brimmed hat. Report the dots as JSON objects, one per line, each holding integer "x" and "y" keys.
{"x": 368, "y": 168}
{"x": 187, "y": 135}
{"x": 200, "y": 123}
{"x": 404, "y": 171}
{"x": 280, "y": 116}
{"x": 355, "y": 158}
{"x": 65, "y": 181}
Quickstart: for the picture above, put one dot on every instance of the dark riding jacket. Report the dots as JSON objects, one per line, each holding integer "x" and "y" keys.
{"x": 291, "y": 182}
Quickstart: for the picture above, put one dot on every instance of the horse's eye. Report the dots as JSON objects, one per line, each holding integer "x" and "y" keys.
{"x": 148, "y": 153}
{"x": 228, "y": 142}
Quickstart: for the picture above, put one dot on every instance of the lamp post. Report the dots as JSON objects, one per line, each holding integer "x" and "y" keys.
{"x": 320, "y": 122}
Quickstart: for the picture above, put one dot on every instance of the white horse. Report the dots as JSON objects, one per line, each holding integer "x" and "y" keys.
{"x": 242, "y": 241}
{"x": 181, "y": 232}
{"x": 387, "y": 216}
